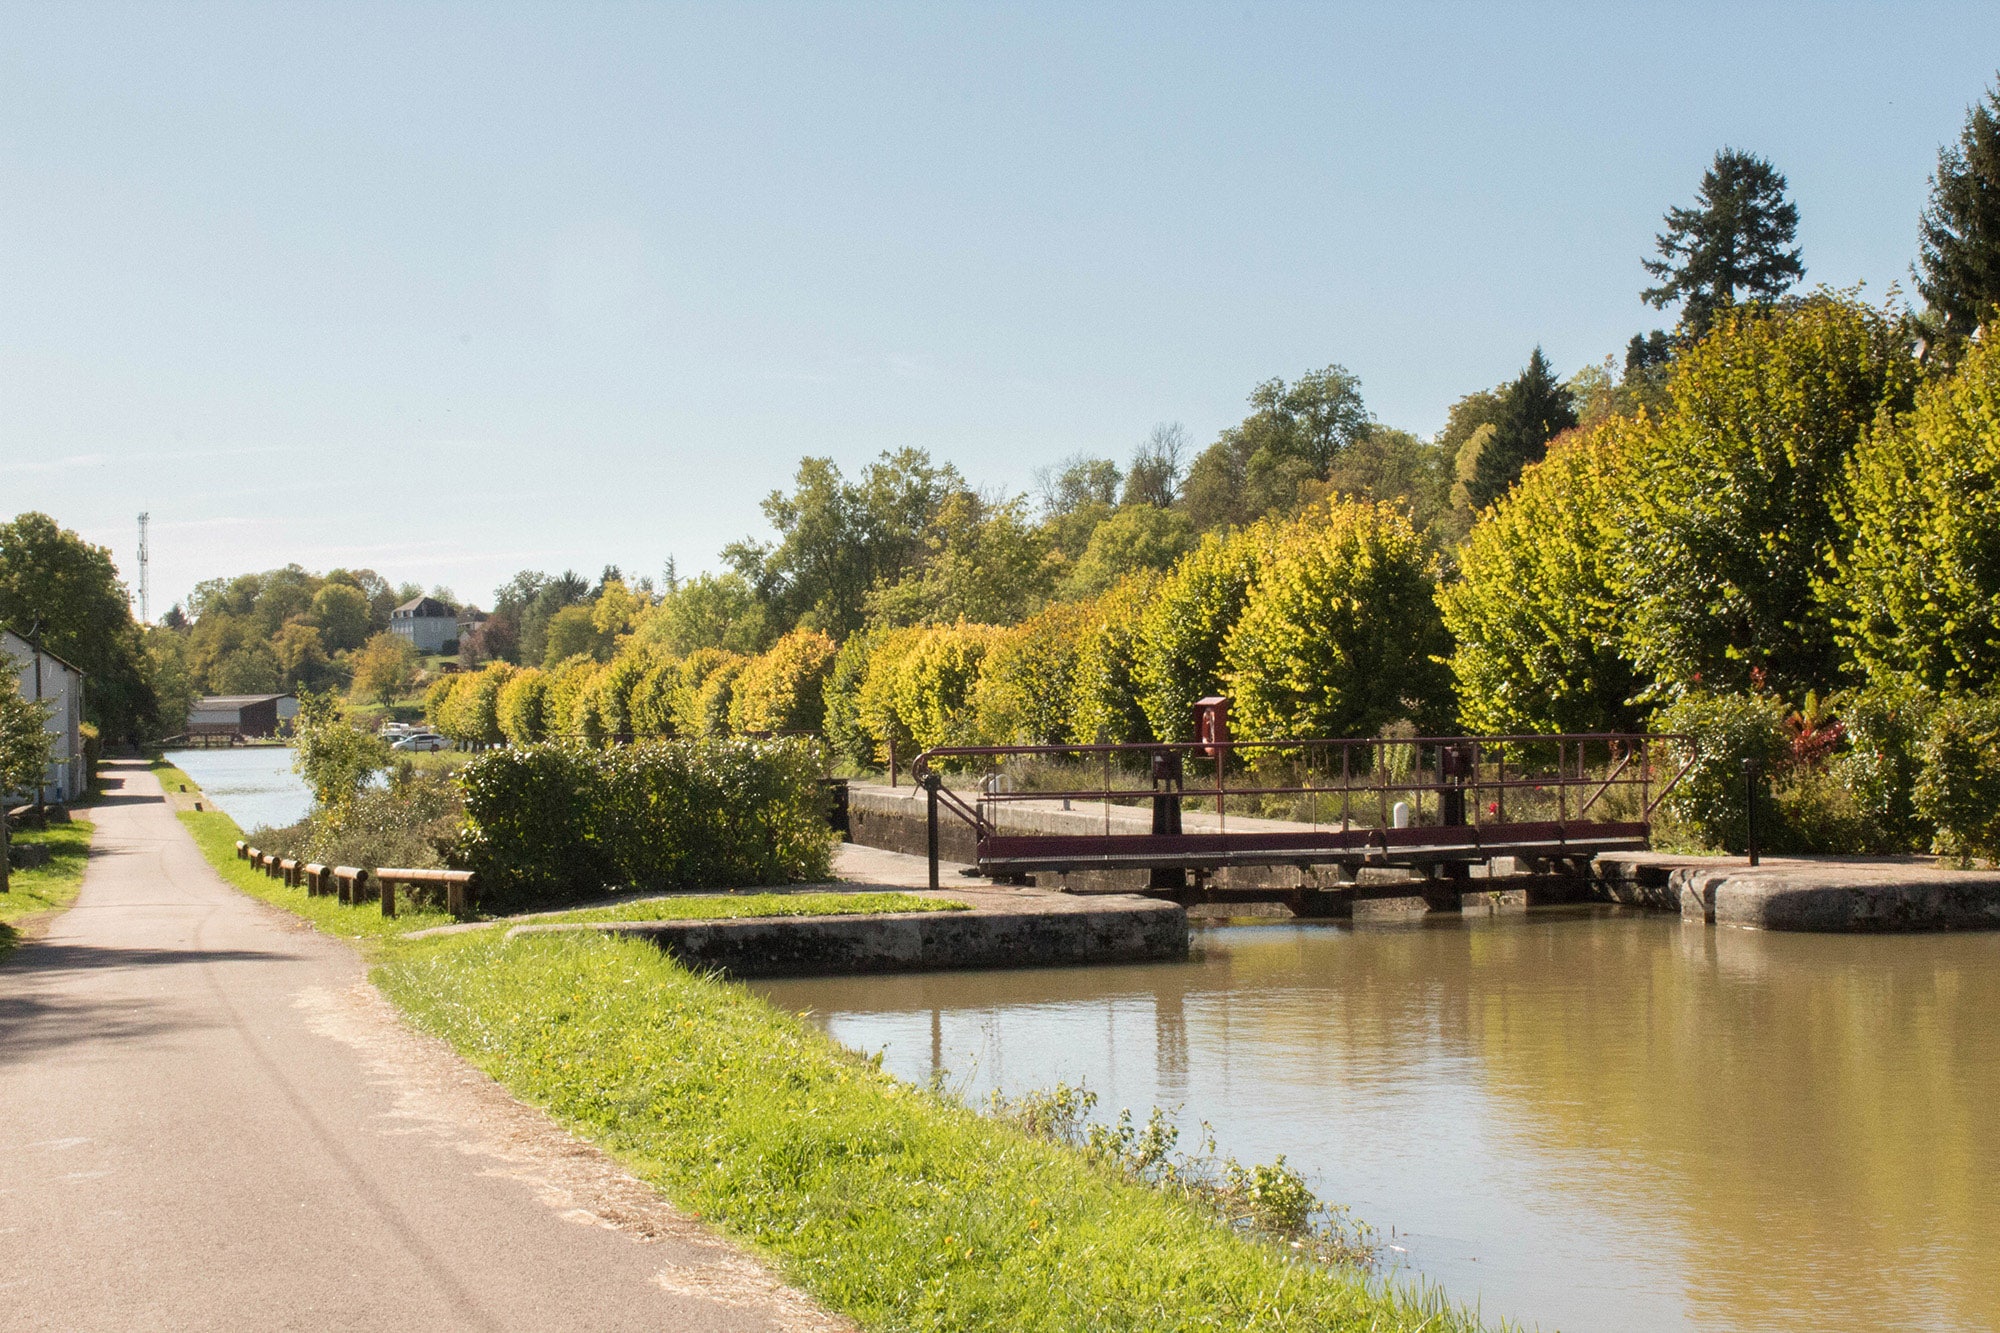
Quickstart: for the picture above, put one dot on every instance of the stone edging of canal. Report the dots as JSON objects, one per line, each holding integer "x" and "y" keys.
{"x": 1027, "y": 930}
{"x": 1824, "y": 894}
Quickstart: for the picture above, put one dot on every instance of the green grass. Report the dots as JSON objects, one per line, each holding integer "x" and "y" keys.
{"x": 888, "y": 1202}
{"x": 720, "y": 906}
{"x": 46, "y": 888}
{"x": 216, "y": 834}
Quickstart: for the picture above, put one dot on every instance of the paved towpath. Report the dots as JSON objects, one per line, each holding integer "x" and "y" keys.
{"x": 209, "y": 1120}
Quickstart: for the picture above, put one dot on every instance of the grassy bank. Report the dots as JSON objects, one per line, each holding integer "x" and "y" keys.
{"x": 887, "y": 1202}
{"x": 216, "y": 834}
{"x": 47, "y": 889}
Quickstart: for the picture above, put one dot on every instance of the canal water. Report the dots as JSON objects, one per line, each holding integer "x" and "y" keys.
{"x": 1583, "y": 1119}
{"x": 255, "y": 784}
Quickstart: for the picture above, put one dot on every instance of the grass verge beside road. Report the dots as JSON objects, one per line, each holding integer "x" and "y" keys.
{"x": 887, "y": 1202}
{"x": 216, "y": 834}
{"x": 47, "y": 889}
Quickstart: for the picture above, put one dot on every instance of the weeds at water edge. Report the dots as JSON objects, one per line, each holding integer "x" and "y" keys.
{"x": 1270, "y": 1202}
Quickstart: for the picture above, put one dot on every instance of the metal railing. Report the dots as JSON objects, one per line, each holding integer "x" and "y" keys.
{"x": 1315, "y": 784}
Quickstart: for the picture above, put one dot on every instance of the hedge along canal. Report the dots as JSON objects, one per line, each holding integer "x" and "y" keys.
{"x": 1584, "y": 1118}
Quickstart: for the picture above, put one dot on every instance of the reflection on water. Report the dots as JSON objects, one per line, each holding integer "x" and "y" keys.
{"x": 254, "y": 783}
{"x": 1584, "y": 1119}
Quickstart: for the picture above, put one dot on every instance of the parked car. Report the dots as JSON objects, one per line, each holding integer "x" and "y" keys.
{"x": 422, "y": 741}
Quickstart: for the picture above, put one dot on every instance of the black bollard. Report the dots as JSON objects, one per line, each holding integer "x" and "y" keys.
{"x": 931, "y": 784}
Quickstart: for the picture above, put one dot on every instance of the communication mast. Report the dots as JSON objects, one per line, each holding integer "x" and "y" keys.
{"x": 145, "y": 558}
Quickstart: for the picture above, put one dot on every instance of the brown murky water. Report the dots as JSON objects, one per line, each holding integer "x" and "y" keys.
{"x": 1586, "y": 1120}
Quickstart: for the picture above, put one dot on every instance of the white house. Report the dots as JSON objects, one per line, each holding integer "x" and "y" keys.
{"x": 44, "y": 676}
{"x": 426, "y": 622}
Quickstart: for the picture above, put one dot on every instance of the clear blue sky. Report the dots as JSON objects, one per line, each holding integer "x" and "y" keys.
{"x": 450, "y": 291}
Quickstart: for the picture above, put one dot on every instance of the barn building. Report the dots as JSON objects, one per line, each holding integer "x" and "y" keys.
{"x": 246, "y": 715}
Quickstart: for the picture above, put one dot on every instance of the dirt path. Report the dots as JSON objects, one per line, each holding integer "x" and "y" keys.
{"x": 208, "y": 1119}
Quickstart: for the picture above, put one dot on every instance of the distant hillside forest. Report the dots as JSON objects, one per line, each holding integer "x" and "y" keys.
{"x": 1775, "y": 526}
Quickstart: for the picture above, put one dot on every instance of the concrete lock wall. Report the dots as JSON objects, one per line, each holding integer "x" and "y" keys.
{"x": 896, "y": 819}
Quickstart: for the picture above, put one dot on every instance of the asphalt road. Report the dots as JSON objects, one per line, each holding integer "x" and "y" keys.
{"x": 209, "y": 1120}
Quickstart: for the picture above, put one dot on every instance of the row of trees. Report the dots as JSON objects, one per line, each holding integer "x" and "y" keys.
{"x": 283, "y": 629}
{"x": 1803, "y": 510}
{"x": 1324, "y": 623}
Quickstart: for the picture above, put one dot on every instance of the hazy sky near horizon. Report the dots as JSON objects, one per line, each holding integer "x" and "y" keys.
{"x": 450, "y": 291}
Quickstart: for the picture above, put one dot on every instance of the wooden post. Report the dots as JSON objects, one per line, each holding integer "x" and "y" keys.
{"x": 355, "y": 880}
{"x": 388, "y": 896}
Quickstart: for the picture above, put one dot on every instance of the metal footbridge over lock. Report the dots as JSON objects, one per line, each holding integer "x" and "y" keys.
{"x": 1435, "y": 805}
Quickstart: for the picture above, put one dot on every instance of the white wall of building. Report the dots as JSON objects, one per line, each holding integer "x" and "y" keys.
{"x": 44, "y": 676}
{"x": 429, "y": 633}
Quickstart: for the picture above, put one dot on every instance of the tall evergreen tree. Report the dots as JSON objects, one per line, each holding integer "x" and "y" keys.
{"x": 1958, "y": 260}
{"x": 1533, "y": 410}
{"x": 1735, "y": 244}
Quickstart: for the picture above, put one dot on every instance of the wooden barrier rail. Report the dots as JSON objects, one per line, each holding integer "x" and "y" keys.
{"x": 351, "y": 883}
{"x": 460, "y": 887}
{"x": 355, "y": 885}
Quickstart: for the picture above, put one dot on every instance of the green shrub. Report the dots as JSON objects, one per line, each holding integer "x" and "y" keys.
{"x": 1918, "y": 593}
{"x": 654, "y": 701}
{"x": 1729, "y": 526}
{"x": 414, "y": 821}
{"x": 1181, "y": 636}
{"x": 522, "y": 707}
{"x": 1104, "y": 702}
{"x": 782, "y": 690}
{"x": 875, "y": 710}
{"x": 335, "y": 757}
{"x": 934, "y": 682}
{"x": 849, "y": 736}
{"x": 93, "y": 750}
{"x": 560, "y": 821}
{"x": 1539, "y": 643}
{"x": 1958, "y": 786}
{"x": 1341, "y": 631}
{"x": 568, "y": 708}
{"x": 1027, "y": 677}
{"x": 1878, "y": 768}
{"x": 1724, "y": 730}
{"x": 1813, "y": 810}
